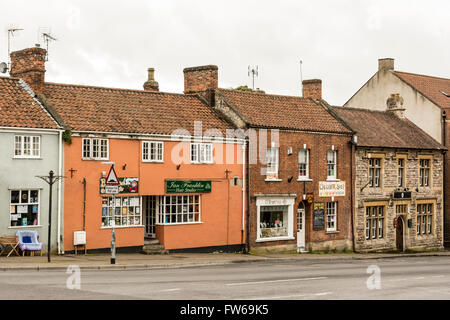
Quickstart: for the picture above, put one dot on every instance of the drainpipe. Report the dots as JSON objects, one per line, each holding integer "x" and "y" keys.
{"x": 243, "y": 192}
{"x": 352, "y": 189}
{"x": 247, "y": 169}
{"x": 60, "y": 173}
{"x": 84, "y": 204}
{"x": 444, "y": 142}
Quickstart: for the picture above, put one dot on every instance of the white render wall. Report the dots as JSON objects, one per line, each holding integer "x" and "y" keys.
{"x": 421, "y": 111}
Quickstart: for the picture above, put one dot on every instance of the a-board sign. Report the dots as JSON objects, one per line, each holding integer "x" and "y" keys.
{"x": 319, "y": 216}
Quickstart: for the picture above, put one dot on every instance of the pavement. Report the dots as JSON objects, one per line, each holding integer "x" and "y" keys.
{"x": 137, "y": 261}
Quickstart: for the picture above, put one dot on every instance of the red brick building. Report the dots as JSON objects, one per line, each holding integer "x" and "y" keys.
{"x": 299, "y": 172}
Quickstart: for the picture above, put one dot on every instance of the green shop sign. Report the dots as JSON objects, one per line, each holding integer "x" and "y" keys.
{"x": 187, "y": 186}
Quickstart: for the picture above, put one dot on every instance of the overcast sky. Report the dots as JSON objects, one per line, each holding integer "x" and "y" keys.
{"x": 112, "y": 43}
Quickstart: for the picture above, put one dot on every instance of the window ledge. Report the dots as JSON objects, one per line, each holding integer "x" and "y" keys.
{"x": 273, "y": 180}
{"x": 152, "y": 161}
{"x": 305, "y": 179}
{"x": 122, "y": 227}
{"x": 332, "y": 231}
{"x": 20, "y": 227}
{"x": 177, "y": 224}
{"x": 333, "y": 180}
{"x": 27, "y": 158}
{"x": 275, "y": 239}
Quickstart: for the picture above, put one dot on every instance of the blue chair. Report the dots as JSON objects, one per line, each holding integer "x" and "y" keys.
{"x": 29, "y": 241}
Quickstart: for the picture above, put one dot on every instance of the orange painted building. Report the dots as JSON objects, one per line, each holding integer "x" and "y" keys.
{"x": 181, "y": 183}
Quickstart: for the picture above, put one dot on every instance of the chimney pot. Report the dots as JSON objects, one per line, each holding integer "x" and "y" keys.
{"x": 151, "y": 84}
{"x": 312, "y": 89}
{"x": 29, "y": 65}
{"x": 385, "y": 64}
{"x": 202, "y": 78}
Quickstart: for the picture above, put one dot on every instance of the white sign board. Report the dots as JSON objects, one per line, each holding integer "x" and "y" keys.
{"x": 111, "y": 189}
{"x": 331, "y": 188}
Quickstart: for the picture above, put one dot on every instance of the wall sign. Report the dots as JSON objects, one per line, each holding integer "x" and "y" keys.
{"x": 187, "y": 186}
{"x": 319, "y": 216}
{"x": 331, "y": 188}
{"x": 402, "y": 195}
{"x": 126, "y": 185}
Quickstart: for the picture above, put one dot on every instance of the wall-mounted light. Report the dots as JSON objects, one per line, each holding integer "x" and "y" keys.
{"x": 124, "y": 166}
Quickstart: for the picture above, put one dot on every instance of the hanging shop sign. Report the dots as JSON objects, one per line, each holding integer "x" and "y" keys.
{"x": 319, "y": 216}
{"x": 187, "y": 186}
{"x": 126, "y": 185}
{"x": 331, "y": 188}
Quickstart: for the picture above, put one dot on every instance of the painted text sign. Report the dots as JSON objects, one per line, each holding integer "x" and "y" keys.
{"x": 331, "y": 188}
{"x": 187, "y": 186}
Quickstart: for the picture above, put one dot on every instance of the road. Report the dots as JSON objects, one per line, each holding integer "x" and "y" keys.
{"x": 399, "y": 278}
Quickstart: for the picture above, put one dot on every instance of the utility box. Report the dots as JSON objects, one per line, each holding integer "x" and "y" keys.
{"x": 79, "y": 238}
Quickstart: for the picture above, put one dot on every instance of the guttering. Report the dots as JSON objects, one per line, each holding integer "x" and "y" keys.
{"x": 30, "y": 130}
{"x": 165, "y": 137}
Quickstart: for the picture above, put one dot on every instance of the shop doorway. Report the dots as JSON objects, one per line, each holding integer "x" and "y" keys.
{"x": 301, "y": 243}
{"x": 149, "y": 209}
{"x": 400, "y": 234}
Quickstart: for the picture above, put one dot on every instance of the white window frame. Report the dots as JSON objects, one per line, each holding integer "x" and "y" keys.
{"x": 162, "y": 214}
{"x": 203, "y": 153}
{"x": 19, "y": 147}
{"x": 375, "y": 222}
{"x": 91, "y": 149}
{"x": 334, "y": 215}
{"x": 272, "y": 163}
{"x": 157, "y": 145}
{"x": 28, "y": 203}
{"x": 306, "y": 176}
{"x": 424, "y": 218}
{"x": 276, "y": 201}
{"x": 333, "y": 177}
{"x": 424, "y": 172}
{"x": 375, "y": 172}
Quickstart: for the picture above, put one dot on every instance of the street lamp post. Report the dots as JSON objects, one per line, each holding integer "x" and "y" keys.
{"x": 50, "y": 179}
{"x": 113, "y": 232}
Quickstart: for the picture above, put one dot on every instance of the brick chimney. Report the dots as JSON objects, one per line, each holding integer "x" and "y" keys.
{"x": 385, "y": 64}
{"x": 151, "y": 84}
{"x": 200, "y": 78}
{"x": 29, "y": 65}
{"x": 395, "y": 105}
{"x": 312, "y": 89}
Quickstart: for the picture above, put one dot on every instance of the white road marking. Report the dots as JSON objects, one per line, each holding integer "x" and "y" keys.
{"x": 419, "y": 278}
{"x": 273, "y": 281}
{"x": 440, "y": 276}
{"x": 170, "y": 290}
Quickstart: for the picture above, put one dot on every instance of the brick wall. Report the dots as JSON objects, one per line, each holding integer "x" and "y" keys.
{"x": 29, "y": 65}
{"x": 318, "y": 144}
{"x": 200, "y": 78}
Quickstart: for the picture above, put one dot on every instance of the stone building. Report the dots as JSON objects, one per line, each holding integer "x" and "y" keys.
{"x": 398, "y": 186}
{"x": 299, "y": 174}
{"x": 427, "y": 103}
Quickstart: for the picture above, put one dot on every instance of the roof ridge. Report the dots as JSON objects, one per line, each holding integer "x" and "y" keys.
{"x": 116, "y": 89}
{"x": 262, "y": 94}
{"x": 422, "y": 75}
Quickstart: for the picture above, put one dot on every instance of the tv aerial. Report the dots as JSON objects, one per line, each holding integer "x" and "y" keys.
{"x": 253, "y": 72}
{"x": 47, "y": 38}
{"x": 4, "y": 67}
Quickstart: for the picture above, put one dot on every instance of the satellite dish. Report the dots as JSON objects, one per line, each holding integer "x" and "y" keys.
{"x": 3, "y": 67}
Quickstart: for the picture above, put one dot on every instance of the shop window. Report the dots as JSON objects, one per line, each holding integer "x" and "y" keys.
{"x": 24, "y": 208}
{"x": 273, "y": 221}
{"x": 424, "y": 218}
{"x": 375, "y": 172}
{"x": 95, "y": 149}
{"x": 201, "y": 153}
{"x": 424, "y": 172}
{"x": 178, "y": 209}
{"x": 122, "y": 211}
{"x": 272, "y": 163}
{"x": 152, "y": 151}
{"x": 331, "y": 216}
{"x": 374, "y": 222}
{"x": 303, "y": 164}
{"x": 331, "y": 165}
{"x": 27, "y": 146}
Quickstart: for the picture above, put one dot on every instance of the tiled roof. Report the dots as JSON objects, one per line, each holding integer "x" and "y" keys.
{"x": 284, "y": 112}
{"x": 385, "y": 129}
{"x": 88, "y": 108}
{"x": 19, "y": 109}
{"x": 431, "y": 87}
